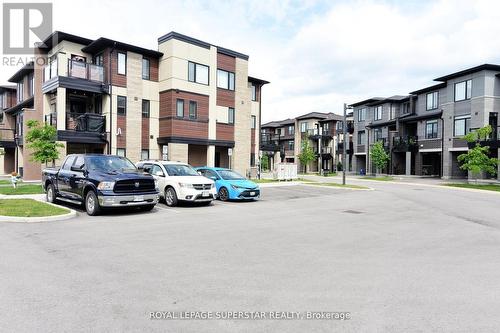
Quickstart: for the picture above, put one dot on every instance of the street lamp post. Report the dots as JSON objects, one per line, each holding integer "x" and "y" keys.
{"x": 344, "y": 131}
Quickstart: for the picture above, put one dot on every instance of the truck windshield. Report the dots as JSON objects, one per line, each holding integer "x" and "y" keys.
{"x": 230, "y": 175}
{"x": 180, "y": 170}
{"x": 109, "y": 163}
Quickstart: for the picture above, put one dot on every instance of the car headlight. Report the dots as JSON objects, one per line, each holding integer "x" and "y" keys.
{"x": 186, "y": 185}
{"x": 156, "y": 185}
{"x": 106, "y": 186}
{"x": 236, "y": 187}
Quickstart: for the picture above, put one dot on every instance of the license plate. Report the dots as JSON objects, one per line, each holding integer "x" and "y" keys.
{"x": 205, "y": 194}
{"x": 138, "y": 198}
{"x": 252, "y": 193}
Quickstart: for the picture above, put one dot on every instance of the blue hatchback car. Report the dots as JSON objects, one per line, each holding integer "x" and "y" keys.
{"x": 230, "y": 184}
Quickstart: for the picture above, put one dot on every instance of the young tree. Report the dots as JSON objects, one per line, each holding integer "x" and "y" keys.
{"x": 264, "y": 162}
{"x": 477, "y": 159}
{"x": 306, "y": 155}
{"x": 379, "y": 156}
{"x": 42, "y": 140}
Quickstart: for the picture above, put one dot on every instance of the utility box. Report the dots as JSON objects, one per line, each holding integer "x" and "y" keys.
{"x": 285, "y": 171}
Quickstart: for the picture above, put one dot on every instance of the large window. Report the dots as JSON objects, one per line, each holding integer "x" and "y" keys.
{"x": 463, "y": 90}
{"x": 122, "y": 63}
{"x": 254, "y": 122}
{"x": 225, "y": 79}
{"x": 254, "y": 92}
{"x": 461, "y": 126}
{"x": 20, "y": 92}
{"x": 197, "y": 73}
{"x": 179, "y": 108}
{"x": 377, "y": 112}
{"x": 145, "y": 108}
{"x": 31, "y": 86}
{"x": 432, "y": 100}
{"x": 361, "y": 137}
{"x": 362, "y": 114}
{"x": 377, "y": 134}
{"x": 144, "y": 154}
{"x": 291, "y": 130}
{"x": 121, "y": 105}
{"x": 121, "y": 152}
{"x": 392, "y": 113}
{"x": 291, "y": 145}
{"x": 431, "y": 129}
{"x": 230, "y": 116}
{"x": 146, "y": 68}
{"x": 193, "y": 110}
{"x": 303, "y": 127}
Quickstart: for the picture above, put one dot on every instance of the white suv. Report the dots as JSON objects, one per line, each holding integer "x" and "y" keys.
{"x": 179, "y": 182}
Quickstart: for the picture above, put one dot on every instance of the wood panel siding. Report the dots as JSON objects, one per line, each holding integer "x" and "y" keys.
{"x": 121, "y": 140}
{"x": 226, "y": 62}
{"x": 225, "y": 98}
{"x": 145, "y": 133}
{"x": 225, "y": 132}
{"x": 171, "y": 125}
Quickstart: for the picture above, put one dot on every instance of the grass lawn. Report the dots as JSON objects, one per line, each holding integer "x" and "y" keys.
{"x": 380, "y": 178}
{"x": 22, "y": 189}
{"x": 358, "y": 187}
{"x": 330, "y": 174}
{"x": 28, "y": 208}
{"x": 485, "y": 187}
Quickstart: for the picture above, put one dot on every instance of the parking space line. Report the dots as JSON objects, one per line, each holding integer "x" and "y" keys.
{"x": 168, "y": 209}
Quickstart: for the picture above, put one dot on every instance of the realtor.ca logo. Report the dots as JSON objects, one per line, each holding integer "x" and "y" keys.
{"x": 25, "y": 24}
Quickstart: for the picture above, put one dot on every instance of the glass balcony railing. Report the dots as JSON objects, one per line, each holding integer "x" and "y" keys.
{"x": 85, "y": 71}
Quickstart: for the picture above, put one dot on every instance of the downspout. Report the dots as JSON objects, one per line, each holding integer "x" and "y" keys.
{"x": 442, "y": 145}
{"x": 110, "y": 99}
{"x": 258, "y": 135}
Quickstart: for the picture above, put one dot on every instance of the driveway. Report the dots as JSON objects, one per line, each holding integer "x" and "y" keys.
{"x": 401, "y": 258}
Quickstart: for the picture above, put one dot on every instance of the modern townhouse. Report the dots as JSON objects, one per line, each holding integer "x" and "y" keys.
{"x": 278, "y": 141}
{"x": 188, "y": 101}
{"x": 424, "y": 130}
{"x": 339, "y": 151}
{"x": 7, "y": 129}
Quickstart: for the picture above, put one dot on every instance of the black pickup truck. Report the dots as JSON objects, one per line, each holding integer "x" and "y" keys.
{"x": 100, "y": 181}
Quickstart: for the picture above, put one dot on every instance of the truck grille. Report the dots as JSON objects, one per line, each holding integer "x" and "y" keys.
{"x": 134, "y": 186}
{"x": 201, "y": 187}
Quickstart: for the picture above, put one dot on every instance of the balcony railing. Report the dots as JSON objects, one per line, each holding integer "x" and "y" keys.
{"x": 85, "y": 71}
{"x": 314, "y": 133}
{"x": 85, "y": 122}
{"x": 6, "y": 135}
{"x": 269, "y": 141}
{"x": 404, "y": 143}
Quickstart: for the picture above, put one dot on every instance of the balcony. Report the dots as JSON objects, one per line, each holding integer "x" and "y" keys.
{"x": 434, "y": 144}
{"x": 314, "y": 134}
{"x": 77, "y": 75}
{"x": 493, "y": 141}
{"x": 269, "y": 142}
{"x": 404, "y": 144}
{"x": 7, "y": 138}
{"x": 84, "y": 128}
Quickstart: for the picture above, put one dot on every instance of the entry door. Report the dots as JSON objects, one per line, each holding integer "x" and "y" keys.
{"x": 217, "y": 159}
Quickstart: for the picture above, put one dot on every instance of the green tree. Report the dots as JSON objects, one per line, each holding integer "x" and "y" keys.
{"x": 306, "y": 155}
{"x": 477, "y": 159}
{"x": 379, "y": 156}
{"x": 41, "y": 139}
{"x": 264, "y": 162}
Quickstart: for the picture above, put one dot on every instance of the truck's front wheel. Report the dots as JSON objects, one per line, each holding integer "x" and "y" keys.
{"x": 51, "y": 193}
{"x": 92, "y": 204}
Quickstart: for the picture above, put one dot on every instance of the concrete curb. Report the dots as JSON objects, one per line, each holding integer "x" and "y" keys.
{"x": 71, "y": 214}
{"x": 277, "y": 184}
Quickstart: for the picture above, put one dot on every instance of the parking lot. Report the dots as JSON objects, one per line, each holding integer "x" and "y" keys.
{"x": 399, "y": 258}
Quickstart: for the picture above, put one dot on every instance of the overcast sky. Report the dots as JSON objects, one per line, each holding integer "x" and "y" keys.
{"x": 317, "y": 54}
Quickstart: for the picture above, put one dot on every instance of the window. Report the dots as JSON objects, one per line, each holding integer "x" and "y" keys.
{"x": 326, "y": 127}
{"x": 31, "y": 87}
{"x": 462, "y": 126}
{"x": 378, "y": 112}
{"x": 303, "y": 127}
{"x": 432, "y": 100}
{"x": 145, "y": 69}
{"x": 68, "y": 163}
{"x": 252, "y": 159}
{"x": 180, "y": 108}
{"x": 254, "y": 92}
{"x": 99, "y": 60}
{"x": 121, "y": 105}
{"x": 340, "y": 126}
{"x": 361, "y": 137}
{"x": 145, "y": 108}
{"x": 121, "y": 152}
{"x": 362, "y": 114}
{"x": 144, "y": 154}
{"x": 20, "y": 92}
{"x": 79, "y": 163}
{"x": 291, "y": 130}
{"x": 193, "y": 110}
{"x": 392, "y": 113}
{"x": 225, "y": 79}
{"x": 463, "y": 90}
{"x": 230, "y": 116}
{"x": 157, "y": 171}
{"x": 377, "y": 134}
{"x": 197, "y": 73}
{"x": 431, "y": 129}
{"x": 291, "y": 145}
{"x": 254, "y": 122}
{"x": 122, "y": 63}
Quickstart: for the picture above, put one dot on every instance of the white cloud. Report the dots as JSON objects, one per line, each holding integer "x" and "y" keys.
{"x": 317, "y": 55}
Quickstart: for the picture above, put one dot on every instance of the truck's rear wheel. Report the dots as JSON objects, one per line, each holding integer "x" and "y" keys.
{"x": 51, "y": 194}
{"x": 92, "y": 204}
